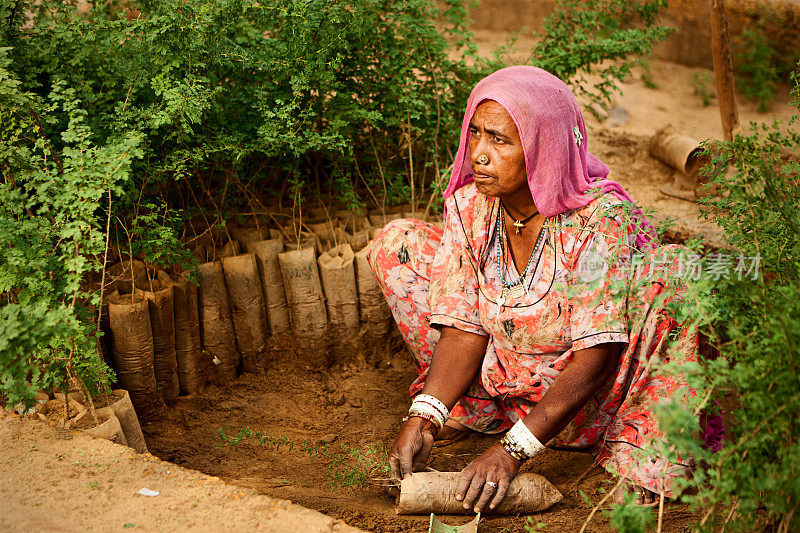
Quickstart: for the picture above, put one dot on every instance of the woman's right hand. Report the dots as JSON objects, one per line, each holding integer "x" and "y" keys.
{"x": 412, "y": 447}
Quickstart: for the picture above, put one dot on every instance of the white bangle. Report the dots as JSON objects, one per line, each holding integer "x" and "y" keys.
{"x": 432, "y": 418}
{"x": 520, "y": 435}
{"x": 433, "y": 402}
{"x": 429, "y": 405}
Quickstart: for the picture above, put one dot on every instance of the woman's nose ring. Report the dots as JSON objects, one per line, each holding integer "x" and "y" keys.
{"x": 483, "y": 159}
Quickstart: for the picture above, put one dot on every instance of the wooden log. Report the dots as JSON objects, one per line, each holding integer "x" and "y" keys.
{"x": 435, "y": 492}
{"x": 723, "y": 69}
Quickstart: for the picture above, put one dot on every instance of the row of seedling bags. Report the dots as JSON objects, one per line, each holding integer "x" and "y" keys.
{"x": 111, "y": 417}
{"x": 170, "y": 336}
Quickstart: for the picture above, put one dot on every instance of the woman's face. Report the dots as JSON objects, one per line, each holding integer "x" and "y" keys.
{"x": 496, "y": 155}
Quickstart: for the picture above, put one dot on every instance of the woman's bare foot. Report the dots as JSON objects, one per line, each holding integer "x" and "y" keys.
{"x": 644, "y": 497}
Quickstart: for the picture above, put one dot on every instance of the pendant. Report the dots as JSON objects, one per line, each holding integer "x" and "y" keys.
{"x": 518, "y": 291}
{"x": 518, "y": 225}
{"x": 501, "y": 300}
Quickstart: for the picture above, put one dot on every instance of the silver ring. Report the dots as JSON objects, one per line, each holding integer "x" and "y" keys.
{"x": 492, "y": 484}
{"x": 483, "y": 159}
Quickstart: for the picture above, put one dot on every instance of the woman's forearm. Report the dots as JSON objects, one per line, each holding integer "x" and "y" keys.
{"x": 456, "y": 360}
{"x": 587, "y": 372}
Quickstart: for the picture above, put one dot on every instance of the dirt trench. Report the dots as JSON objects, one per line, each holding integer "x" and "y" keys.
{"x": 310, "y": 424}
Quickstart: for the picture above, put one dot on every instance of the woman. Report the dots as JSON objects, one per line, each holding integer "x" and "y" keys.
{"x": 516, "y": 312}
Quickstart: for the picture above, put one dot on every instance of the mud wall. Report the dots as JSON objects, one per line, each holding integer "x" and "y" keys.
{"x": 690, "y": 43}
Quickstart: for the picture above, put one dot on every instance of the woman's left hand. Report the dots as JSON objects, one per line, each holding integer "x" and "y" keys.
{"x": 487, "y": 479}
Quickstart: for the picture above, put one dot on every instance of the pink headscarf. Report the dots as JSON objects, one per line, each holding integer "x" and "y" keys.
{"x": 553, "y": 134}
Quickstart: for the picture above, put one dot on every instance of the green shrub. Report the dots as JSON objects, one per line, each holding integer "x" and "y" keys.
{"x": 54, "y": 205}
{"x": 703, "y": 85}
{"x": 753, "y": 320}
{"x": 757, "y": 328}
{"x": 158, "y": 120}
{"x": 756, "y": 63}
{"x": 579, "y": 38}
{"x": 647, "y": 74}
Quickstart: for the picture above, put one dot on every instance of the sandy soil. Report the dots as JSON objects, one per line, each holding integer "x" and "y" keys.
{"x": 60, "y": 480}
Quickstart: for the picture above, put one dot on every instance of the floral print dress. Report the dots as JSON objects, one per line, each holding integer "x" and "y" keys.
{"x": 577, "y": 295}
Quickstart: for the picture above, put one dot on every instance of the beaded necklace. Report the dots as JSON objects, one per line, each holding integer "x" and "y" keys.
{"x": 515, "y": 288}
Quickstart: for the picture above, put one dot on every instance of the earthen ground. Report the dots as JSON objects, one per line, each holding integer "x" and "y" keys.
{"x": 355, "y": 405}
{"x": 57, "y": 480}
